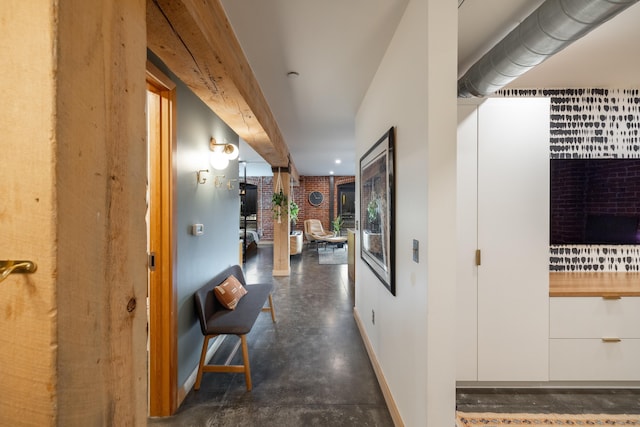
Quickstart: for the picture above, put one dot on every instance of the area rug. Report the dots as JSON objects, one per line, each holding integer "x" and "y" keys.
{"x": 488, "y": 419}
{"x": 330, "y": 255}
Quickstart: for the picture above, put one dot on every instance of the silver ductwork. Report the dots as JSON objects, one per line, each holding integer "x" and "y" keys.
{"x": 549, "y": 29}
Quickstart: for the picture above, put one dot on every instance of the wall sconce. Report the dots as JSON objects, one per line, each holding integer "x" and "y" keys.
{"x": 221, "y": 154}
{"x": 201, "y": 177}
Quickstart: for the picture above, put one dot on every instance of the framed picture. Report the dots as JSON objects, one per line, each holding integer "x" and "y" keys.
{"x": 377, "y": 235}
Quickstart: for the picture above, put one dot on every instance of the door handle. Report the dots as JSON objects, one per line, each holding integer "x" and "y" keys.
{"x": 9, "y": 266}
{"x": 152, "y": 261}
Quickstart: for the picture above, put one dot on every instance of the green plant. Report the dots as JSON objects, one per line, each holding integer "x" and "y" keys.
{"x": 373, "y": 214}
{"x": 279, "y": 205}
{"x": 294, "y": 209}
{"x": 336, "y": 224}
{"x": 372, "y": 209}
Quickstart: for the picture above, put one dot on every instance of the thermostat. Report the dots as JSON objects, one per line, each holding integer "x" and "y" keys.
{"x": 197, "y": 229}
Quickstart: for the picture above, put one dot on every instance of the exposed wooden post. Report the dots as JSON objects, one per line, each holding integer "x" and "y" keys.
{"x": 281, "y": 264}
{"x": 73, "y": 334}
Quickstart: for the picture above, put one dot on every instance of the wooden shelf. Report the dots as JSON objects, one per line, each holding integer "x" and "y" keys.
{"x": 594, "y": 284}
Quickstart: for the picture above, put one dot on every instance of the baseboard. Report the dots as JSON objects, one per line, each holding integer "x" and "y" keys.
{"x": 191, "y": 379}
{"x": 384, "y": 386}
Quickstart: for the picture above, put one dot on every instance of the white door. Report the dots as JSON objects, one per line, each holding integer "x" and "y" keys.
{"x": 513, "y": 236}
{"x": 467, "y": 220}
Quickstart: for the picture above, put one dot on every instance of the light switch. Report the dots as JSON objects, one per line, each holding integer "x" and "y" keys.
{"x": 197, "y": 229}
{"x": 416, "y": 250}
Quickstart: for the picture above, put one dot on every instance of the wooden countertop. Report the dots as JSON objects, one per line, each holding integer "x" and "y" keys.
{"x": 594, "y": 284}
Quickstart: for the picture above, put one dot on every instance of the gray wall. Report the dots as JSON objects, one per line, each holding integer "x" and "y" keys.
{"x": 199, "y": 258}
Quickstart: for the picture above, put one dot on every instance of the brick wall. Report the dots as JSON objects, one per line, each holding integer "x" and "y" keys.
{"x": 591, "y": 187}
{"x": 321, "y": 212}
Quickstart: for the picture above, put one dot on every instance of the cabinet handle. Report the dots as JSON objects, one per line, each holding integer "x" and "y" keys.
{"x": 611, "y": 340}
{"x": 478, "y": 257}
{"x": 611, "y": 297}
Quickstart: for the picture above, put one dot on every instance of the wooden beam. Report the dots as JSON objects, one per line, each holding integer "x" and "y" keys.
{"x": 293, "y": 172}
{"x": 195, "y": 40}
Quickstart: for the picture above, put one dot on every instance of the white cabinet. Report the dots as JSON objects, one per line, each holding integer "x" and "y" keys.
{"x": 594, "y": 339}
{"x": 503, "y": 303}
{"x": 467, "y": 273}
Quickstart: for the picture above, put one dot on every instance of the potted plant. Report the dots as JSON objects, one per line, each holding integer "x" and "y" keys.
{"x": 336, "y": 224}
{"x": 294, "y": 209}
{"x": 279, "y": 205}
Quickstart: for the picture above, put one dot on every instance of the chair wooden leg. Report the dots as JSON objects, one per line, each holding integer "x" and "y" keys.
{"x": 203, "y": 356}
{"x": 245, "y": 358}
{"x": 273, "y": 310}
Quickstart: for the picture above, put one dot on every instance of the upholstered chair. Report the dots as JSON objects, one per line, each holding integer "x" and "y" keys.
{"x": 314, "y": 232}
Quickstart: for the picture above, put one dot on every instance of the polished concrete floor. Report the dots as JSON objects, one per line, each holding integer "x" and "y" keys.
{"x": 308, "y": 369}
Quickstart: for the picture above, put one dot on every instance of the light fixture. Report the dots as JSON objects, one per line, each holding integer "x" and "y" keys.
{"x": 221, "y": 154}
{"x": 338, "y": 161}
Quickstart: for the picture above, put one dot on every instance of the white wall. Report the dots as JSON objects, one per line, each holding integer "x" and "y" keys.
{"x": 413, "y": 336}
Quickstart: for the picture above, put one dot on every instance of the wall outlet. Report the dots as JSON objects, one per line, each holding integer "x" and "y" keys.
{"x": 373, "y": 317}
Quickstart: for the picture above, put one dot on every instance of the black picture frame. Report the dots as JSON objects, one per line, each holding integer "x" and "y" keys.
{"x": 377, "y": 219}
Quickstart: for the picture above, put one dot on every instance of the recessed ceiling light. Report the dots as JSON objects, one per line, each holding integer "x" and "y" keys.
{"x": 293, "y": 74}
{"x": 338, "y": 161}
{"x": 330, "y": 172}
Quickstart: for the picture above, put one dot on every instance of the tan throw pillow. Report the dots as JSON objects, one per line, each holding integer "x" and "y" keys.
{"x": 229, "y": 292}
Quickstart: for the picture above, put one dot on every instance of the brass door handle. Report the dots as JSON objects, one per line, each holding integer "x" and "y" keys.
{"x": 8, "y": 266}
{"x": 607, "y": 339}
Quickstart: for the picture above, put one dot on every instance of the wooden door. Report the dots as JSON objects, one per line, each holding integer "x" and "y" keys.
{"x": 163, "y": 363}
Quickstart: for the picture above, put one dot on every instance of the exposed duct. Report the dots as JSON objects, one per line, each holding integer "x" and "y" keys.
{"x": 549, "y": 29}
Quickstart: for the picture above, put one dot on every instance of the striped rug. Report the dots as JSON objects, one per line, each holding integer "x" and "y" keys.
{"x": 487, "y": 419}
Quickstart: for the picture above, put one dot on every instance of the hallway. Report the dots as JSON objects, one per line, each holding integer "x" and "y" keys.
{"x": 309, "y": 368}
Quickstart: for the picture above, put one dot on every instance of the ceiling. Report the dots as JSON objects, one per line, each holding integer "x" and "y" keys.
{"x": 336, "y": 46}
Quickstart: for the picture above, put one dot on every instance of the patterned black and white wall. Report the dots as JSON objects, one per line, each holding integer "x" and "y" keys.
{"x": 592, "y": 124}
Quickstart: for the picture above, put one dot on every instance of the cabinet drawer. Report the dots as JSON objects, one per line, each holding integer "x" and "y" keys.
{"x": 594, "y": 317}
{"x": 594, "y": 360}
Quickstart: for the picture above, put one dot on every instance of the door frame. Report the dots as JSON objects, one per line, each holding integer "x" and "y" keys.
{"x": 162, "y": 283}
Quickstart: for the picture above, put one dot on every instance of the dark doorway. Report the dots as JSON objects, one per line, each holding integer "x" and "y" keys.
{"x": 347, "y": 204}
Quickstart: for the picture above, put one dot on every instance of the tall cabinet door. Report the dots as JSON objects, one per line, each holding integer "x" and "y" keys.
{"x": 467, "y": 227}
{"x": 513, "y": 236}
